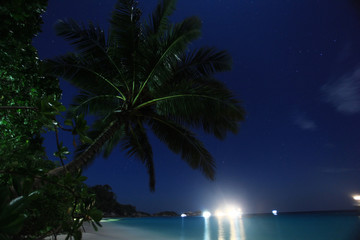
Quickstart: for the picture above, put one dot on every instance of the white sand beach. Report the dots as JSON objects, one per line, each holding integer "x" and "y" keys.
{"x": 106, "y": 232}
{"x": 111, "y": 231}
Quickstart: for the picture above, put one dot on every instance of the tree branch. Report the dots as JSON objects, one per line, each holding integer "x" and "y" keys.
{"x": 63, "y": 128}
{"x": 58, "y": 147}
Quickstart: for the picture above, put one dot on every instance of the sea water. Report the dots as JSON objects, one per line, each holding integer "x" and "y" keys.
{"x": 251, "y": 227}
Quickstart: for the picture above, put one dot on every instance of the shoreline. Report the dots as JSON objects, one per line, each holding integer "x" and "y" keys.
{"x": 111, "y": 231}
{"x": 346, "y": 211}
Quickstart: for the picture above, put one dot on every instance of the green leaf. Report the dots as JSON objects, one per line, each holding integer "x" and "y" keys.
{"x": 95, "y": 214}
{"x": 85, "y": 139}
{"x": 68, "y": 122}
{"x": 62, "y": 151}
{"x": 11, "y": 213}
{"x": 82, "y": 178}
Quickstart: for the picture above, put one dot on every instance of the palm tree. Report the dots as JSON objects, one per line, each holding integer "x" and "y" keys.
{"x": 144, "y": 77}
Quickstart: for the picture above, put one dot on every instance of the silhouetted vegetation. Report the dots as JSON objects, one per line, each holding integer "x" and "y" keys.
{"x": 106, "y": 202}
{"x": 145, "y": 77}
{"x": 142, "y": 77}
{"x": 33, "y": 205}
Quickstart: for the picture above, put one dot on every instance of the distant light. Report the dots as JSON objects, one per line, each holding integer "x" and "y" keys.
{"x": 356, "y": 197}
{"x": 274, "y": 212}
{"x": 219, "y": 213}
{"x": 229, "y": 212}
{"x": 183, "y": 215}
{"x": 233, "y": 212}
{"x": 206, "y": 214}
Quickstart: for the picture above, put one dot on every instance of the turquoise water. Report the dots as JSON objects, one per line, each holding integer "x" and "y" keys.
{"x": 256, "y": 227}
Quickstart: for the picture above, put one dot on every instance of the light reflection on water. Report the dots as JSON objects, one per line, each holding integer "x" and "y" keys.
{"x": 236, "y": 229}
{"x": 206, "y": 229}
{"x": 221, "y": 231}
{"x": 242, "y": 229}
{"x": 182, "y": 229}
{"x": 233, "y": 230}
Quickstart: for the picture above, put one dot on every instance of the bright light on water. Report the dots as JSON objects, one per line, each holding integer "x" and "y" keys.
{"x": 206, "y": 214}
{"x": 207, "y": 230}
{"x": 183, "y": 215}
{"x": 274, "y": 212}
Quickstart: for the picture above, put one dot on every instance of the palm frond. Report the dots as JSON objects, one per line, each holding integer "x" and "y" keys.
{"x": 182, "y": 141}
{"x": 110, "y": 145}
{"x": 175, "y": 42}
{"x": 88, "y": 41}
{"x": 159, "y": 20}
{"x": 87, "y": 74}
{"x": 99, "y": 105}
{"x": 180, "y": 35}
{"x": 210, "y": 106}
{"x": 205, "y": 61}
{"x": 124, "y": 31}
{"x": 136, "y": 144}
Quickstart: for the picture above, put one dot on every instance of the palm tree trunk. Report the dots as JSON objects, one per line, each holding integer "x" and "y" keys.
{"x": 89, "y": 153}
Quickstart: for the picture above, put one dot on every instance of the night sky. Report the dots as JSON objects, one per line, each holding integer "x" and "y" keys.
{"x": 296, "y": 68}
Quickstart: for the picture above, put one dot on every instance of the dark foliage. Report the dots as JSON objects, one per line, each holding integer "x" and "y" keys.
{"x": 33, "y": 204}
{"x": 145, "y": 77}
{"x": 22, "y": 83}
{"x": 106, "y": 202}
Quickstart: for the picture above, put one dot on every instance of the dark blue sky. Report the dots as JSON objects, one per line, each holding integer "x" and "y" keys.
{"x": 296, "y": 69}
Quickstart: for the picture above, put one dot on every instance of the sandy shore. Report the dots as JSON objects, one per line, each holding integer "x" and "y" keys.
{"x": 108, "y": 231}
{"x": 111, "y": 231}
